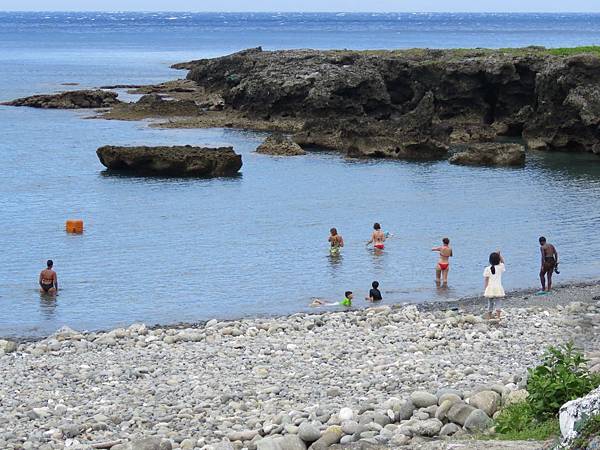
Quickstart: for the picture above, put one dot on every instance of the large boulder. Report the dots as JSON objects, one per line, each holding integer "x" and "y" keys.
{"x": 279, "y": 145}
{"x": 574, "y": 413}
{"x": 423, "y": 399}
{"x": 459, "y": 413}
{"x": 477, "y": 421}
{"x": 488, "y": 401}
{"x": 185, "y": 161}
{"x": 331, "y": 436}
{"x": 490, "y": 154}
{"x": 69, "y": 100}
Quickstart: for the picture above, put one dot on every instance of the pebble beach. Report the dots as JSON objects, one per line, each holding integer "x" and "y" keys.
{"x": 363, "y": 374}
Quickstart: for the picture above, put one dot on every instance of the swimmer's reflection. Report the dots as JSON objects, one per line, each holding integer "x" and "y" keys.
{"x": 47, "y": 305}
{"x": 335, "y": 260}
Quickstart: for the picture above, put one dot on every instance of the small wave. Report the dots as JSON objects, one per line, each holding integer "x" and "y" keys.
{"x": 172, "y": 18}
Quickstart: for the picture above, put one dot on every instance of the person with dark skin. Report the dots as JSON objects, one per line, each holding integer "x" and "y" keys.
{"x": 48, "y": 280}
{"x": 549, "y": 263}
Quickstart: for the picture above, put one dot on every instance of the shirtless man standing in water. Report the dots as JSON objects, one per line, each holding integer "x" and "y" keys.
{"x": 549, "y": 263}
{"x": 48, "y": 279}
{"x": 443, "y": 266}
{"x": 336, "y": 242}
{"x": 377, "y": 238}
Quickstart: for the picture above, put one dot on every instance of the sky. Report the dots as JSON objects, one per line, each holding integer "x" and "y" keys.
{"x": 306, "y": 5}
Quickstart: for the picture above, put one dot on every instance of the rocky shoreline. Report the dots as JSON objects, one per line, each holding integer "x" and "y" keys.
{"x": 257, "y": 383}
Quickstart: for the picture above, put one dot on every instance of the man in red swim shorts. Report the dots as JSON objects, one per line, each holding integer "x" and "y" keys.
{"x": 443, "y": 265}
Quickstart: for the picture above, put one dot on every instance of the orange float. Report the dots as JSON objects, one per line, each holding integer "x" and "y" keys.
{"x": 74, "y": 226}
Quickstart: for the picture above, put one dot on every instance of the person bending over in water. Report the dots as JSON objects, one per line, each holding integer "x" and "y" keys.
{"x": 377, "y": 238}
{"x": 336, "y": 241}
{"x": 549, "y": 263}
{"x": 48, "y": 279}
{"x": 443, "y": 266}
{"x": 374, "y": 293}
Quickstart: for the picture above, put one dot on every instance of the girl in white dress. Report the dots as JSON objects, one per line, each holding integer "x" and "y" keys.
{"x": 494, "y": 291}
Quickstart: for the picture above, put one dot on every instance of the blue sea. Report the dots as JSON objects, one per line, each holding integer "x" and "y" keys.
{"x": 170, "y": 250}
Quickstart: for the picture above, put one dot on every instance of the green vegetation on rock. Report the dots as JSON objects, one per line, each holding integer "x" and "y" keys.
{"x": 517, "y": 422}
{"x": 570, "y": 51}
{"x": 562, "y": 376}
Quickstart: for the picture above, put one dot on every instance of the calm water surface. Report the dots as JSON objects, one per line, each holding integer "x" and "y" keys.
{"x": 169, "y": 250}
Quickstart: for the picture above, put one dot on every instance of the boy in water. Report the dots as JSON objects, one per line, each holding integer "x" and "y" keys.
{"x": 374, "y": 293}
{"x": 348, "y": 296}
{"x": 48, "y": 280}
{"x": 549, "y": 263}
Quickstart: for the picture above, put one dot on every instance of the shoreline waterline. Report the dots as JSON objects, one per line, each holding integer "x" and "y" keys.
{"x": 468, "y": 303}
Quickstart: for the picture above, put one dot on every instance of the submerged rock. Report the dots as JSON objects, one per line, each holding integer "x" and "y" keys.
{"x": 69, "y": 100}
{"x": 490, "y": 154}
{"x": 279, "y": 145}
{"x": 172, "y": 161}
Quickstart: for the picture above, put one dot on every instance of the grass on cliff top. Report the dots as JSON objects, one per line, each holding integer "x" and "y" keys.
{"x": 569, "y": 51}
{"x": 466, "y": 52}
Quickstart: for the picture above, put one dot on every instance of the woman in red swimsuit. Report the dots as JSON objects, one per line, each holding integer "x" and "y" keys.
{"x": 377, "y": 238}
{"x": 443, "y": 265}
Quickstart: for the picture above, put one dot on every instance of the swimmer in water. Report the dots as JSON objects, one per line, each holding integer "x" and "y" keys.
{"x": 347, "y": 302}
{"x": 374, "y": 293}
{"x": 48, "y": 280}
{"x": 336, "y": 242}
{"x": 348, "y": 296}
{"x": 443, "y": 265}
{"x": 377, "y": 238}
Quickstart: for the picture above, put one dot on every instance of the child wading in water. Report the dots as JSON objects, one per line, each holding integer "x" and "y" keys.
{"x": 493, "y": 284}
{"x": 374, "y": 293}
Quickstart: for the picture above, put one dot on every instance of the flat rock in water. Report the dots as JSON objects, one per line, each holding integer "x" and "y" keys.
{"x": 490, "y": 154}
{"x": 69, "y": 100}
{"x": 183, "y": 161}
{"x": 279, "y": 145}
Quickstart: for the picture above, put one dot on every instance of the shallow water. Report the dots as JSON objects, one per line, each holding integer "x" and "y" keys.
{"x": 169, "y": 250}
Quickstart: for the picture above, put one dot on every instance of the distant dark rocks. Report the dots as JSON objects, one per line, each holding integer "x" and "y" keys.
{"x": 183, "y": 161}
{"x": 69, "y": 100}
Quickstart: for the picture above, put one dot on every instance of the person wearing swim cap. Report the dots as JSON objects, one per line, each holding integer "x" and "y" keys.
{"x": 377, "y": 238}
{"x": 443, "y": 265}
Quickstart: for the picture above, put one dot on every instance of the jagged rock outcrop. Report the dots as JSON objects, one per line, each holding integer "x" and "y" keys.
{"x": 552, "y": 101}
{"x": 69, "y": 100}
{"x": 185, "y": 161}
{"x": 490, "y": 154}
{"x": 279, "y": 145}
